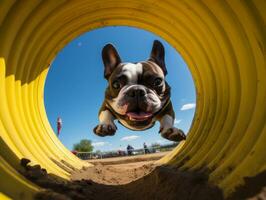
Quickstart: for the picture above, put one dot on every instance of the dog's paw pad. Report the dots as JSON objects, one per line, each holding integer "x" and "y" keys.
{"x": 104, "y": 130}
{"x": 174, "y": 134}
{"x": 170, "y": 131}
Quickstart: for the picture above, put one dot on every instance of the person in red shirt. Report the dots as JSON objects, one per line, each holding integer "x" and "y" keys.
{"x": 59, "y": 125}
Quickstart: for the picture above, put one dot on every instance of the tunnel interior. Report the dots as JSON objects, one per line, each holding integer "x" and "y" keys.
{"x": 223, "y": 43}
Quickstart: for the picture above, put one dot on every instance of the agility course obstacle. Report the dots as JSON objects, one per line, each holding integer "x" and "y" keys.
{"x": 223, "y": 43}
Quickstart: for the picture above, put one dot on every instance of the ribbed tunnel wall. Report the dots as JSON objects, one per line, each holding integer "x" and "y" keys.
{"x": 223, "y": 43}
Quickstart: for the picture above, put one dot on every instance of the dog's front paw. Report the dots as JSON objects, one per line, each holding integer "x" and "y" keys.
{"x": 105, "y": 130}
{"x": 173, "y": 134}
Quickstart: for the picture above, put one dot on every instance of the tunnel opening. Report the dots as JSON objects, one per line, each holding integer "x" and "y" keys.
{"x": 78, "y": 101}
{"x": 74, "y": 102}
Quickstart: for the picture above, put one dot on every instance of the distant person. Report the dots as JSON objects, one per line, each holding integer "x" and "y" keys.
{"x": 130, "y": 150}
{"x": 146, "y": 150}
{"x": 120, "y": 151}
{"x": 59, "y": 125}
{"x": 74, "y": 152}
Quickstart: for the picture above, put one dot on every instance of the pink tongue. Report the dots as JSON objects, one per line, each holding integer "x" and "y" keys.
{"x": 138, "y": 116}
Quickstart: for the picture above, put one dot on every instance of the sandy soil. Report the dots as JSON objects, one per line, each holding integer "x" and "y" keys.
{"x": 115, "y": 174}
{"x": 133, "y": 181}
{"x": 119, "y": 170}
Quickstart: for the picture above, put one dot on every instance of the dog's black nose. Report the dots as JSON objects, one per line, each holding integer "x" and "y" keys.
{"x": 136, "y": 92}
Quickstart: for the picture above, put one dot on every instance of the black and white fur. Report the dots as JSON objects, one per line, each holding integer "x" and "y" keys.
{"x": 137, "y": 95}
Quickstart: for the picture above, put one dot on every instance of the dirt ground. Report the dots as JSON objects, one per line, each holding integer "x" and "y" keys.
{"x": 129, "y": 159}
{"x": 119, "y": 170}
{"x": 123, "y": 179}
{"x": 117, "y": 174}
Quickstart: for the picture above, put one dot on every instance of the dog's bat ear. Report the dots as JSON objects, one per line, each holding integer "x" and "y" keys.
{"x": 157, "y": 55}
{"x": 110, "y": 59}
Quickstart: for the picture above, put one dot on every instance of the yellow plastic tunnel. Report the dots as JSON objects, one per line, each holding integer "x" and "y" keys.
{"x": 222, "y": 41}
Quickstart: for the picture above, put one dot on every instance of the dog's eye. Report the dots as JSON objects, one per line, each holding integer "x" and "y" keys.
{"x": 116, "y": 85}
{"x": 157, "y": 82}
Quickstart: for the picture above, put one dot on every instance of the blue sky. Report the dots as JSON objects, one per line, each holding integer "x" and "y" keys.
{"x": 75, "y": 85}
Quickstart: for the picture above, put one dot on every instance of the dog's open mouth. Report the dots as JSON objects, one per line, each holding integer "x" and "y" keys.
{"x": 139, "y": 116}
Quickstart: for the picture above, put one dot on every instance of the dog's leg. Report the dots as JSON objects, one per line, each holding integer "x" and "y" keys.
{"x": 106, "y": 125}
{"x": 168, "y": 131}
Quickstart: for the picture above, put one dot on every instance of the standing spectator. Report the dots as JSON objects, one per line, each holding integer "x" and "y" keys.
{"x": 146, "y": 150}
{"x": 74, "y": 152}
{"x": 59, "y": 125}
{"x": 129, "y": 150}
{"x": 120, "y": 151}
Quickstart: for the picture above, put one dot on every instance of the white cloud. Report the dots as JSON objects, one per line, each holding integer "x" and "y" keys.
{"x": 162, "y": 141}
{"x": 188, "y": 106}
{"x": 177, "y": 121}
{"x": 129, "y": 138}
{"x": 99, "y": 144}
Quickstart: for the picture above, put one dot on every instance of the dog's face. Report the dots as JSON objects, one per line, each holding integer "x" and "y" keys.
{"x": 136, "y": 91}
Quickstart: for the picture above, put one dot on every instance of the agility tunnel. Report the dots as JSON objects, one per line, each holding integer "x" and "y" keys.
{"x": 222, "y": 42}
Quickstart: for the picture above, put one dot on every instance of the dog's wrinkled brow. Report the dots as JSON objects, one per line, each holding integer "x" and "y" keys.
{"x": 151, "y": 69}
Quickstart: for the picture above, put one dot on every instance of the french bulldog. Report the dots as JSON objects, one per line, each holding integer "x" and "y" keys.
{"x": 137, "y": 95}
